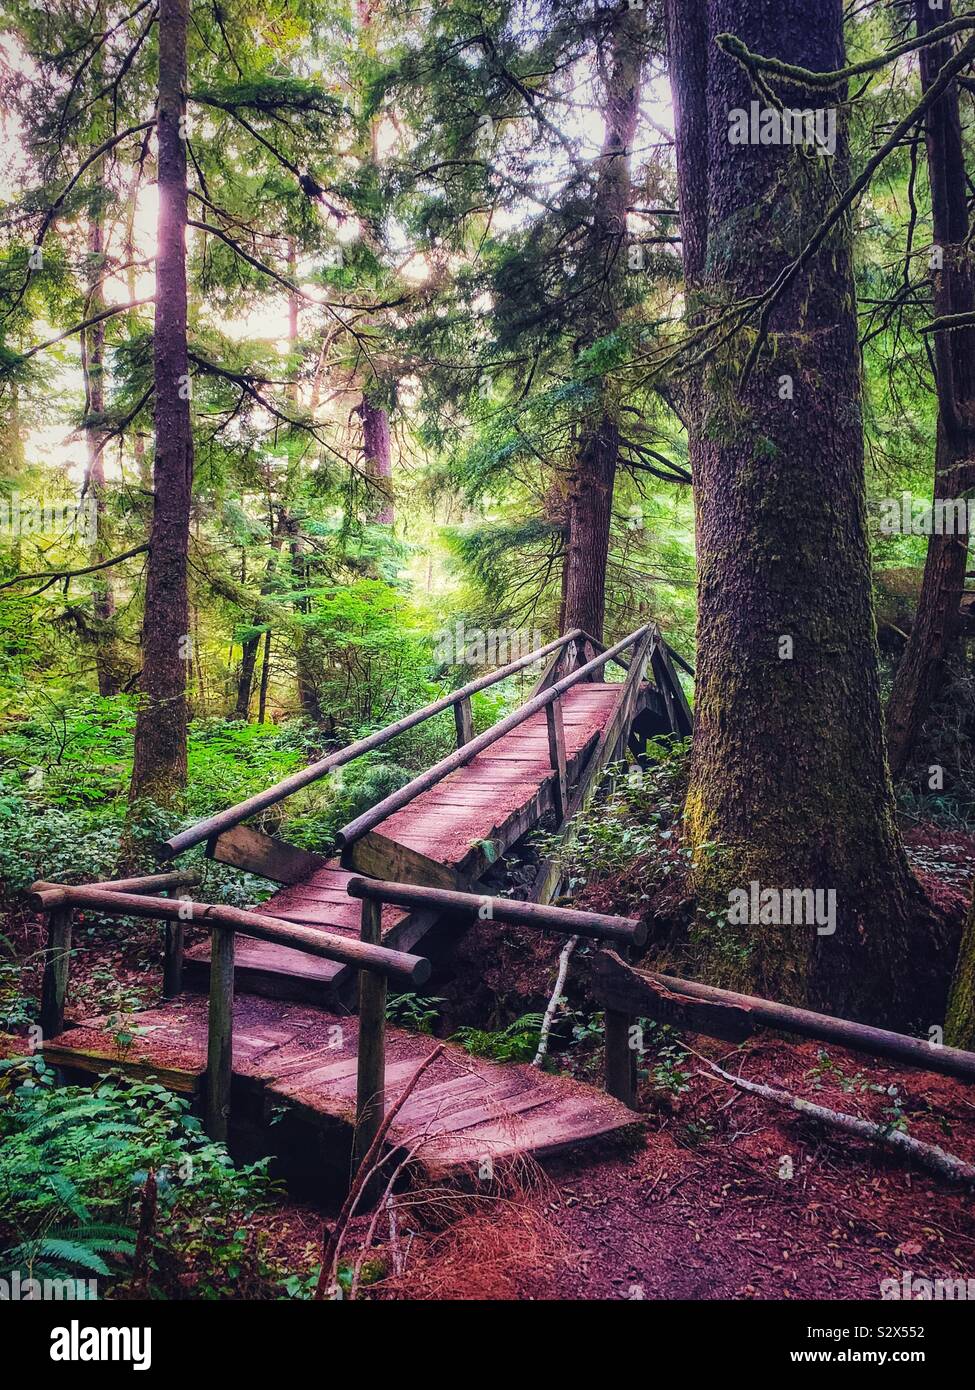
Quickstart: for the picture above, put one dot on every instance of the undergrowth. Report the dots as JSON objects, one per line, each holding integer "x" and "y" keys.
{"x": 82, "y": 1169}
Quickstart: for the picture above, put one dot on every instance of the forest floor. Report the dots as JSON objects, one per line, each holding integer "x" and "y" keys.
{"x": 722, "y": 1196}
{"x": 719, "y": 1195}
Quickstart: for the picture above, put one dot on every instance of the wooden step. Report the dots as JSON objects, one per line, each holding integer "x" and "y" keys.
{"x": 464, "y": 1113}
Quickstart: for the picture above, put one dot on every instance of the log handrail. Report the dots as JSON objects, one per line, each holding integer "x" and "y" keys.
{"x": 260, "y": 801}
{"x": 362, "y": 824}
{"x": 510, "y": 910}
{"x": 399, "y": 965}
{"x": 376, "y": 964}
{"x": 628, "y": 994}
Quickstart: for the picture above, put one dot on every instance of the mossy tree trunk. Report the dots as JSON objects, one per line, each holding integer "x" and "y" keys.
{"x": 789, "y": 782}
{"x": 960, "y": 1022}
{"x": 159, "y": 767}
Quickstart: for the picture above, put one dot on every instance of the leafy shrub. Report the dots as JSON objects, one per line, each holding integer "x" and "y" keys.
{"x": 635, "y": 817}
{"x": 74, "y": 1163}
{"x": 516, "y": 1043}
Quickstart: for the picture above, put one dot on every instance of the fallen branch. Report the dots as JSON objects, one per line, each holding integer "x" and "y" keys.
{"x": 930, "y": 1156}
{"x": 553, "y": 1003}
{"x": 364, "y": 1173}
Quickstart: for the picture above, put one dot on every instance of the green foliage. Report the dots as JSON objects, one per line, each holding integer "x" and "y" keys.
{"x": 516, "y": 1043}
{"x": 634, "y": 819}
{"x": 73, "y": 1169}
{"x": 417, "y": 1012}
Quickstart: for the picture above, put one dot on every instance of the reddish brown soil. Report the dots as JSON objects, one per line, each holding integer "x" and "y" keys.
{"x": 700, "y": 1211}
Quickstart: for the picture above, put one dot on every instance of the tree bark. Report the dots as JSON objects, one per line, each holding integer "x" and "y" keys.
{"x": 250, "y": 647}
{"x": 789, "y": 781}
{"x": 376, "y": 453}
{"x": 304, "y": 666}
{"x": 924, "y": 665}
{"x": 93, "y": 366}
{"x": 960, "y": 1018}
{"x": 159, "y": 769}
{"x": 377, "y": 458}
{"x": 591, "y": 481}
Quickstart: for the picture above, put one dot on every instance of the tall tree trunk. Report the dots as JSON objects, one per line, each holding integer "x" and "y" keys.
{"x": 923, "y": 667}
{"x": 304, "y": 666}
{"x": 249, "y": 649}
{"x": 590, "y": 514}
{"x": 265, "y": 679}
{"x": 159, "y": 768}
{"x": 245, "y": 676}
{"x": 377, "y": 458}
{"x": 593, "y": 474}
{"x": 93, "y": 366}
{"x": 789, "y": 781}
{"x": 376, "y": 454}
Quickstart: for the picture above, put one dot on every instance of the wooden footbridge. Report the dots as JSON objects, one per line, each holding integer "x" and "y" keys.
{"x": 278, "y": 1042}
{"x": 279, "y": 1028}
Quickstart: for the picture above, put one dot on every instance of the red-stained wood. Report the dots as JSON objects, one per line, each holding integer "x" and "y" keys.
{"x": 467, "y": 1113}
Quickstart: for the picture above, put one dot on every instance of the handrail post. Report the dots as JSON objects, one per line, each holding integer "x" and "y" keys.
{"x": 371, "y": 1070}
{"x": 220, "y": 1033}
{"x": 174, "y": 940}
{"x": 620, "y": 1073}
{"x": 463, "y": 721}
{"x": 57, "y": 961}
{"x": 173, "y": 943}
{"x": 556, "y": 753}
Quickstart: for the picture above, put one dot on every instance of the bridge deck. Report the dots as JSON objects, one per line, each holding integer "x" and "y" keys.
{"x": 498, "y": 797}
{"x": 463, "y": 1111}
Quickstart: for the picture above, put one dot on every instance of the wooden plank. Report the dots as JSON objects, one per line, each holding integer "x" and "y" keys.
{"x": 262, "y": 854}
{"x": 220, "y": 1029}
{"x": 463, "y": 722}
{"x": 620, "y": 1065}
{"x": 57, "y": 961}
{"x": 370, "y": 1101}
{"x": 368, "y": 820}
{"x": 174, "y": 940}
{"x": 682, "y": 718}
{"x": 635, "y": 994}
{"x": 556, "y": 753}
{"x": 379, "y": 857}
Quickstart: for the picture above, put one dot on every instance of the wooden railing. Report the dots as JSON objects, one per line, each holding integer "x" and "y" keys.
{"x": 582, "y": 654}
{"x": 623, "y": 931}
{"x": 376, "y": 963}
{"x": 459, "y": 699}
{"x": 644, "y": 640}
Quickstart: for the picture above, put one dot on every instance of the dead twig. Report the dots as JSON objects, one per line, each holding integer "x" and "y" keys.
{"x": 364, "y": 1173}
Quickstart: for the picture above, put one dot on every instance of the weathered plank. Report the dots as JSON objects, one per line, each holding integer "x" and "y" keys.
{"x": 257, "y": 853}
{"x": 370, "y": 1101}
{"x": 380, "y": 857}
{"x": 635, "y": 994}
